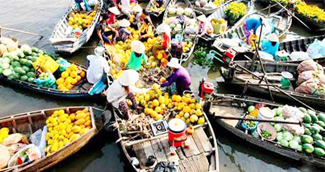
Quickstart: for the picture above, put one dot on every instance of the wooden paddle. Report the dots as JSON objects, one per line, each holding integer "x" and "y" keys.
{"x": 21, "y": 31}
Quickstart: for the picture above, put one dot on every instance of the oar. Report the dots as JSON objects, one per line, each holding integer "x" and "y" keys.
{"x": 292, "y": 14}
{"x": 21, "y": 31}
{"x": 258, "y": 120}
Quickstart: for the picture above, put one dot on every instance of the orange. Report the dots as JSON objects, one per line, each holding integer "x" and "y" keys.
{"x": 74, "y": 81}
{"x": 73, "y": 67}
{"x": 64, "y": 74}
{"x": 68, "y": 80}
{"x": 59, "y": 81}
{"x": 82, "y": 74}
{"x": 73, "y": 74}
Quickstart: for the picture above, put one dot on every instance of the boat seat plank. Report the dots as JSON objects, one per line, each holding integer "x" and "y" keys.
{"x": 148, "y": 150}
{"x": 180, "y": 153}
{"x": 187, "y": 165}
{"x": 204, "y": 163}
{"x": 204, "y": 139}
{"x": 139, "y": 151}
{"x": 197, "y": 141}
{"x": 158, "y": 150}
{"x": 181, "y": 167}
{"x": 192, "y": 149}
{"x": 165, "y": 145}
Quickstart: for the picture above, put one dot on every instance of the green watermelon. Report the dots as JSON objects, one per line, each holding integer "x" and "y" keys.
{"x": 20, "y": 70}
{"x": 320, "y": 143}
{"x": 31, "y": 74}
{"x": 25, "y": 68}
{"x": 319, "y": 151}
{"x": 306, "y": 139}
{"x": 15, "y": 64}
{"x": 24, "y": 78}
{"x": 29, "y": 63}
{"x": 321, "y": 117}
{"x": 307, "y": 118}
{"x": 31, "y": 79}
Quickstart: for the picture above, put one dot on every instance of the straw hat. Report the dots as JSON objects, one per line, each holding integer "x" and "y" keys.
{"x": 163, "y": 28}
{"x": 174, "y": 63}
{"x": 137, "y": 8}
{"x": 114, "y": 10}
{"x": 272, "y": 37}
{"x": 128, "y": 77}
{"x": 124, "y": 23}
{"x": 99, "y": 51}
{"x": 202, "y": 18}
{"x": 137, "y": 46}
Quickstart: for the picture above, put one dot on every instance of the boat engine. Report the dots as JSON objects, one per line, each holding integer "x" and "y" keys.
{"x": 205, "y": 89}
{"x": 229, "y": 55}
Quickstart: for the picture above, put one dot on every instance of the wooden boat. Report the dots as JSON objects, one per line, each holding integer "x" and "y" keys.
{"x": 235, "y": 106}
{"x": 282, "y": 26}
{"x": 273, "y": 70}
{"x": 193, "y": 37}
{"x": 204, "y": 10}
{"x": 202, "y": 154}
{"x": 301, "y": 45}
{"x": 64, "y": 44}
{"x": 27, "y": 123}
{"x": 155, "y": 12}
{"x": 219, "y": 14}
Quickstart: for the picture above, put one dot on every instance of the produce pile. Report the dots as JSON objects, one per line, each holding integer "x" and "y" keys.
{"x": 81, "y": 19}
{"x": 17, "y": 149}
{"x": 203, "y": 4}
{"x": 65, "y": 127}
{"x": 311, "y": 79}
{"x": 235, "y": 11}
{"x": 158, "y": 105}
{"x": 7, "y": 45}
{"x": 154, "y": 8}
{"x": 310, "y": 11}
{"x": 308, "y": 138}
{"x": 70, "y": 77}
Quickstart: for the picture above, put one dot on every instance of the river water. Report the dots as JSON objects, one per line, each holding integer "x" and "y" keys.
{"x": 102, "y": 154}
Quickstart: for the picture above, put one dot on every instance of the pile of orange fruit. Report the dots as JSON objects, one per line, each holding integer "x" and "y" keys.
{"x": 70, "y": 77}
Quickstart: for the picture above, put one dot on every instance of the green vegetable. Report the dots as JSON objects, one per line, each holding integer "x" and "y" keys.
{"x": 22, "y": 61}
{"x": 1, "y": 70}
{"x": 266, "y": 134}
{"x": 31, "y": 79}
{"x": 306, "y": 139}
{"x": 31, "y": 74}
{"x": 16, "y": 64}
{"x": 251, "y": 108}
{"x": 284, "y": 143}
{"x": 279, "y": 111}
{"x": 24, "y": 78}
{"x": 297, "y": 138}
{"x": 287, "y": 136}
{"x": 308, "y": 148}
{"x": 307, "y": 118}
{"x": 320, "y": 143}
{"x": 306, "y": 125}
{"x": 302, "y": 109}
{"x": 29, "y": 63}
{"x": 25, "y": 68}
{"x": 5, "y": 65}
{"x": 293, "y": 144}
{"x": 319, "y": 151}
{"x": 278, "y": 127}
{"x": 320, "y": 123}
{"x": 20, "y": 70}
{"x": 307, "y": 132}
{"x": 299, "y": 148}
{"x": 279, "y": 136}
{"x": 7, "y": 72}
{"x": 15, "y": 75}
{"x": 314, "y": 129}
{"x": 313, "y": 117}
{"x": 321, "y": 117}
{"x": 317, "y": 136}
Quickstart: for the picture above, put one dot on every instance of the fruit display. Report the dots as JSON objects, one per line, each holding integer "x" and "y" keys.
{"x": 310, "y": 11}
{"x": 158, "y": 105}
{"x": 208, "y": 5}
{"x": 70, "y": 77}
{"x": 81, "y": 20}
{"x": 187, "y": 46}
{"x": 64, "y": 128}
{"x": 217, "y": 3}
{"x": 18, "y": 64}
{"x": 7, "y": 45}
{"x": 308, "y": 138}
{"x": 235, "y": 11}
{"x": 4, "y": 133}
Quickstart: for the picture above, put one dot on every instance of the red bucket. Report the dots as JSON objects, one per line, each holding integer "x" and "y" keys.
{"x": 176, "y": 132}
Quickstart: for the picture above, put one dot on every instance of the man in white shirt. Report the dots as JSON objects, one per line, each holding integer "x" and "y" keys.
{"x": 98, "y": 65}
{"x": 123, "y": 88}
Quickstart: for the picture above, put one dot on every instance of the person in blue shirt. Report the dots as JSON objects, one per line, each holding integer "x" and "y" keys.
{"x": 271, "y": 44}
{"x": 78, "y": 4}
{"x": 252, "y": 23}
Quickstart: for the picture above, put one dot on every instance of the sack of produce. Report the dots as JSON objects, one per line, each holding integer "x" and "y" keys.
{"x": 299, "y": 55}
{"x": 309, "y": 65}
{"x": 27, "y": 154}
{"x": 314, "y": 50}
{"x": 292, "y": 112}
{"x": 306, "y": 75}
{"x": 308, "y": 87}
{"x": 15, "y": 138}
{"x": 14, "y": 148}
{"x": 292, "y": 128}
{"x": 4, "y": 156}
{"x": 9, "y": 43}
{"x": 46, "y": 80}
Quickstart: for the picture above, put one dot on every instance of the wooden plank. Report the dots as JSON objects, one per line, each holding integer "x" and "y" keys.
{"x": 180, "y": 153}
{"x": 204, "y": 139}
{"x": 195, "y": 163}
{"x": 158, "y": 150}
{"x": 197, "y": 141}
{"x": 192, "y": 149}
{"x": 147, "y": 149}
{"x": 181, "y": 167}
{"x": 139, "y": 152}
{"x": 204, "y": 163}
{"x": 165, "y": 144}
{"x": 187, "y": 165}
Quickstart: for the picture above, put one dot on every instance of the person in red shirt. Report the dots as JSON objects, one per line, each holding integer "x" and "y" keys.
{"x": 165, "y": 44}
{"x": 112, "y": 15}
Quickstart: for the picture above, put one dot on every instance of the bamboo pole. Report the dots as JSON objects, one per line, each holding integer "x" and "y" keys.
{"x": 258, "y": 120}
{"x": 20, "y": 31}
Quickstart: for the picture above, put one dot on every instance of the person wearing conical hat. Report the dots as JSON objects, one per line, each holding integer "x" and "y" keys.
{"x": 113, "y": 12}
{"x": 205, "y": 27}
{"x": 179, "y": 75}
{"x": 123, "y": 88}
{"x": 98, "y": 65}
{"x": 137, "y": 56}
{"x": 270, "y": 44}
{"x": 78, "y": 4}
{"x": 146, "y": 30}
{"x": 122, "y": 31}
{"x": 163, "y": 29}
{"x": 126, "y": 7}
{"x": 105, "y": 31}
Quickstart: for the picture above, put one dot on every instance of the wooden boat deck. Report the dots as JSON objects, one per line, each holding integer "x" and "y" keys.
{"x": 227, "y": 111}
{"x": 187, "y": 158}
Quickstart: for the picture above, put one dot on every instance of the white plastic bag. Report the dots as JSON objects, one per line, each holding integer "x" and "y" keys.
{"x": 315, "y": 49}
{"x": 299, "y": 55}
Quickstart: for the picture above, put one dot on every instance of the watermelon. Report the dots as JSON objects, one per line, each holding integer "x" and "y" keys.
{"x": 313, "y": 116}
{"x": 307, "y": 132}
{"x": 24, "y": 78}
{"x": 20, "y": 70}
{"x": 15, "y": 75}
{"x": 314, "y": 129}
{"x": 29, "y": 63}
{"x": 307, "y": 118}
{"x": 306, "y": 139}
{"x": 22, "y": 61}
{"x": 306, "y": 125}
{"x": 302, "y": 109}
{"x": 34, "y": 58}
{"x": 7, "y": 72}
{"x": 34, "y": 49}
{"x": 320, "y": 143}
{"x": 31, "y": 74}
{"x": 31, "y": 79}
{"x": 321, "y": 116}
{"x": 319, "y": 151}
{"x": 25, "y": 68}
{"x": 320, "y": 123}
{"x": 308, "y": 148}
{"x": 15, "y": 64}
{"x": 317, "y": 137}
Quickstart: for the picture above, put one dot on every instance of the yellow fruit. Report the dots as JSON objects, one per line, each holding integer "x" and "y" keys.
{"x": 187, "y": 109}
{"x": 198, "y": 112}
{"x": 147, "y": 97}
{"x": 74, "y": 81}
{"x": 76, "y": 129}
{"x": 72, "y": 117}
{"x": 149, "y": 111}
{"x": 154, "y": 114}
{"x": 60, "y": 112}
{"x": 74, "y": 137}
{"x": 193, "y": 118}
{"x": 88, "y": 123}
{"x": 64, "y": 74}
{"x": 155, "y": 86}
{"x": 159, "y": 117}
{"x": 182, "y": 118}
{"x": 4, "y": 129}
{"x": 181, "y": 113}
{"x": 68, "y": 80}
{"x": 162, "y": 106}
{"x": 158, "y": 109}
{"x": 78, "y": 78}
{"x": 155, "y": 102}
{"x": 4, "y": 134}
{"x": 81, "y": 116}
{"x": 82, "y": 74}
{"x": 188, "y": 121}
{"x": 62, "y": 118}
{"x": 192, "y": 106}
{"x": 59, "y": 81}
{"x": 201, "y": 120}
{"x": 177, "y": 116}
{"x": 161, "y": 99}
{"x": 80, "y": 121}
{"x": 162, "y": 80}
{"x": 198, "y": 106}
{"x": 84, "y": 130}
{"x": 178, "y": 98}
{"x": 73, "y": 67}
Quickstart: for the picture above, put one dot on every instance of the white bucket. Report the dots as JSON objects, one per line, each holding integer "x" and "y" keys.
{"x": 265, "y": 113}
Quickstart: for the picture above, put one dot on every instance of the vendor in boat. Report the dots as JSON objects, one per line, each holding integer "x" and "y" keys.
{"x": 163, "y": 29}
{"x": 179, "y": 75}
{"x": 205, "y": 27}
{"x": 78, "y": 4}
{"x": 270, "y": 44}
{"x": 122, "y": 31}
{"x": 159, "y": 3}
{"x": 98, "y": 66}
{"x": 123, "y": 88}
{"x": 146, "y": 30}
{"x": 137, "y": 56}
{"x": 254, "y": 24}
{"x": 126, "y": 7}
{"x": 113, "y": 12}
{"x": 141, "y": 16}
{"x": 105, "y": 32}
